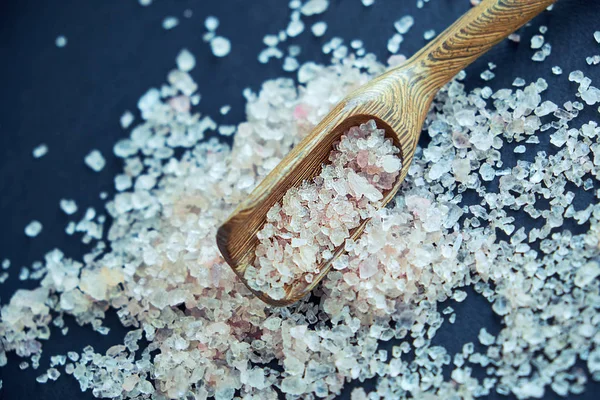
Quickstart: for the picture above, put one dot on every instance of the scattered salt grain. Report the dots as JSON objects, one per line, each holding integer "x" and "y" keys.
{"x": 404, "y": 24}
{"x": 295, "y": 28}
{"x": 220, "y": 46}
{"x": 487, "y": 75}
{"x": 429, "y": 34}
{"x": 318, "y": 28}
{"x": 185, "y": 60}
{"x": 5, "y": 264}
{"x": 537, "y": 41}
{"x": 597, "y": 36}
{"x": 368, "y": 3}
{"x": 224, "y": 109}
{"x": 126, "y": 119}
{"x": 68, "y": 206}
{"x": 556, "y": 70}
{"x": 40, "y": 151}
{"x": 61, "y": 41}
{"x": 520, "y": 149}
{"x": 170, "y": 22}
{"x": 95, "y": 160}
{"x": 33, "y": 228}
{"x": 211, "y": 23}
{"x": 314, "y": 7}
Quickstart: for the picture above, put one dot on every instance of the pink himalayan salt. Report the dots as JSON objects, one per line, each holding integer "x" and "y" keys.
{"x": 304, "y": 230}
{"x": 180, "y": 103}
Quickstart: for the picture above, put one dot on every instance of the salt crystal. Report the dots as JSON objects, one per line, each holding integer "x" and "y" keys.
{"x": 314, "y": 7}
{"x": 587, "y": 273}
{"x": 185, "y": 60}
{"x": 220, "y": 46}
{"x": 33, "y": 228}
{"x": 429, "y": 34}
{"x": 367, "y": 3}
{"x": 485, "y": 338}
{"x": 294, "y": 28}
{"x": 519, "y": 149}
{"x": 95, "y": 160}
{"x": 68, "y": 206}
{"x": 597, "y": 36}
{"x": 487, "y": 75}
{"x": 211, "y": 23}
{"x": 537, "y": 41}
{"x": 318, "y": 28}
{"x": 556, "y": 70}
{"x": 404, "y": 24}
{"x": 61, "y": 41}
{"x": 40, "y": 151}
{"x": 519, "y": 82}
{"x": 170, "y": 23}
{"x": 224, "y": 109}
{"x": 126, "y": 119}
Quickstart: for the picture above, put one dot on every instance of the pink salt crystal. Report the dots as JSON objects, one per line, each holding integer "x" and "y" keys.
{"x": 300, "y": 112}
{"x": 180, "y": 103}
{"x": 367, "y": 268}
{"x": 362, "y": 159}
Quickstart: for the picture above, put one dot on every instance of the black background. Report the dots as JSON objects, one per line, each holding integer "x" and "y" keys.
{"x": 71, "y": 99}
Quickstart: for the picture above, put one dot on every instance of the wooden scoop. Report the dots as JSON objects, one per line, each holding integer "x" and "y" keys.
{"x": 398, "y": 101}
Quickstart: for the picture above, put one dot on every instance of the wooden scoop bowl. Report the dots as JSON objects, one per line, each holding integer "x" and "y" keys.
{"x": 398, "y": 101}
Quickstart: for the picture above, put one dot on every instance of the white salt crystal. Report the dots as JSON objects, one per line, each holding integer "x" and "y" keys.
{"x": 211, "y": 23}
{"x": 40, "y": 151}
{"x": 290, "y": 64}
{"x": 61, "y": 41}
{"x": 519, "y": 82}
{"x": 485, "y": 338}
{"x": 95, "y": 160}
{"x": 390, "y": 163}
{"x": 314, "y": 7}
{"x": 403, "y": 25}
{"x": 294, "y": 28}
{"x": 487, "y": 75}
{"x": 393, "y": 44}
{"x": 224, "y": 109}
{"x": 429, "y": 34}
{"x": 126, "y": 119}
{"x": 556, "y": 70}
{"x": 318, "y": 28}
{"x": 68, "y": 206}
{"x": 6, "y": 263}
{"x": 220, "y": 46}
{"x": 170, "y": 22}
{"x": 185, "y": 60}
{"x": 33, "y": 228}
{"x": 597, "y": 36}
{"x": 537, "y": 41}
{"x": 367, "y": 3}
{"x": 520, "y": 149}
{"x": 587, "y": 274}
{"x": 145, "y": 3}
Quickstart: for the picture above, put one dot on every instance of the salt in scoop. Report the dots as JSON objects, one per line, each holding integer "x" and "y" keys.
{"x": 398, "y": 101}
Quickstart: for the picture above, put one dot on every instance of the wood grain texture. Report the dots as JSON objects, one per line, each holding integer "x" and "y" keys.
{"x": 397, "y": 100}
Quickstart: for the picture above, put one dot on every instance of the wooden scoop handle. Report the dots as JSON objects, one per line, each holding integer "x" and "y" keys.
{"x": 472, "y": 35}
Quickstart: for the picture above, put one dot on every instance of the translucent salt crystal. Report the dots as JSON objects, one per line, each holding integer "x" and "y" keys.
{"x": 587, "y": 273}
{"x": 368, "y": 3}
{"x": 61, "y": 41}
{"x": 68, "y": 206}
{"x": 487, "y": 172}
{"x": 224, "y": 109}
{"x": 73, "y": 356}
{"x": 518, "y": 82}
{"x": 40, "y": 151}
{"x": 391, "y": 164}
{"x": 556, "y": 70}
{"x": 500, "y": 305}
{"x": 368, "y": 268}
{"x": 53, "y": 374}
{"x": 211, "y": 23}
{"x": 6, "y": 263}
{"x": 593, "y": 362}
{"x": 361, "y": 187}
{"x": 33, "y": 228}
{"x": 538, "y": 56}
{"x": 576, "y": 76}
{"x": 314, "y": 7}
{"x": 520, "y": 149}
{"x": 42, "y": 378}
{"x": 95, "y": 160}
{"x": 485, "y": 338}
{"x": 318, "y": 28}
{"x": 126, "y": 119}
{"x": 547, "y": 107}
{"x": 465, "y": 117}
{"x": 170, "y": 22}
{"x": 487, "y": 75}
{"x": 597, "y": 36}
{"x": 514, "y": 37}
{"x": 537, "y": 41}
{"x": 145, "y": 3}
{"x": 226, "y": 130}
{"x": 591, "y": 95}
{"x": 393, "y": 44}
{"x": 404, "y": 24}
{"x": 185, "y": 60}
{"x": 294, "y": 28}
{"x": 459, "y": 295}
{"x": 429, "y": 34}
{"x": 290, "y": 64}
{"x": 220, "y": 46}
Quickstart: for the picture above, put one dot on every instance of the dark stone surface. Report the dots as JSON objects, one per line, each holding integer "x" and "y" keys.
{"x": 72, "y": 98}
